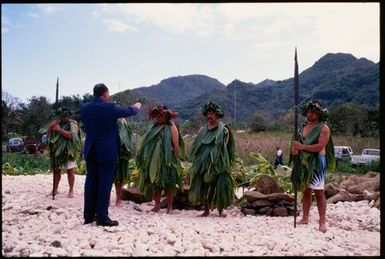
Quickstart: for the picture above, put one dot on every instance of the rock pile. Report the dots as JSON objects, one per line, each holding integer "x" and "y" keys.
{"x": 355, "y": 188}
{"x": 268, "y": 199}
{"x": 180, "y": 202}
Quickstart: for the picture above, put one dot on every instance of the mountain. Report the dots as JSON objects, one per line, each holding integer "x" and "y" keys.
{"x": 179, "y": 89}
{"x": 334, "y": 79}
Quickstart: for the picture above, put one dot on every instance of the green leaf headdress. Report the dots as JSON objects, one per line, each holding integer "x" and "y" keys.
{"x": 212, "y": 106}
{"x": 314, "y": 106}
{"x": 63, "y": 111}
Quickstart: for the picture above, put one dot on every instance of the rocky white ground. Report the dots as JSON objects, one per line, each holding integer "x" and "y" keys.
{"x": 35, "y": 225}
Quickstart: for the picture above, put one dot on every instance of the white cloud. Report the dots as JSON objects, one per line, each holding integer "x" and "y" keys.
{"x": 50, "y": 8}
{"x": 118, "y": 26}
{"x": 173, "y": 18}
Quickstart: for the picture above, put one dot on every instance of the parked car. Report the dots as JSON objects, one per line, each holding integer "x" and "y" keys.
{"x": 343, "y": 152}
{"x": 15, "y": 145}
{"x": 368, "y": 155}
{"x": 32, "y": 145}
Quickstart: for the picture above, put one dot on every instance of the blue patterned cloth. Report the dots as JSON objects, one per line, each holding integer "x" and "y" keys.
{"x": 318, "y": 180}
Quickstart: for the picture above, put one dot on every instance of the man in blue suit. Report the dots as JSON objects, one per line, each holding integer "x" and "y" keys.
{"x": 101, "y": 150}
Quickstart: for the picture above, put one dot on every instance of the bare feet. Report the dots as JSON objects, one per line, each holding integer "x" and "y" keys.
{"x": 303, "y": 221}
{"x": 70, "y": 195}
{"x": 322, "y": 227}
{"x": 155, "y": 209}
{"x": 204, "y": 214}
{"x": 50, "y": 194}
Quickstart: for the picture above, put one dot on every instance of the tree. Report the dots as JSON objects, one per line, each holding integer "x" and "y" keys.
{"x": 36, "y": 115}
{"x": 347, "y": 118}
{"x": 11, "y": 115}
{"x": 257, "y": 122}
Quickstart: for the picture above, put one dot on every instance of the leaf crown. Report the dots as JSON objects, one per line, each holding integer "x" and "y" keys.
{"x": 314, "y": 106}
{"x": 63, "y": 111}
{"x": 212, "y": 106}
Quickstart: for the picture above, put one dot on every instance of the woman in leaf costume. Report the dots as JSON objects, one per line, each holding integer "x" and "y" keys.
{"x": 64, "y": 147}
{"x": 316, "y": 156}
{"x": 213, "y": 152}
{"x": 122, "y": 175}
{"x": 157, "y": 157}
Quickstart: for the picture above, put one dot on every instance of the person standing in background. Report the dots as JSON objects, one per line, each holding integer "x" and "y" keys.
{"x": 64, "y": 148}
{"x": 278, "y": 158}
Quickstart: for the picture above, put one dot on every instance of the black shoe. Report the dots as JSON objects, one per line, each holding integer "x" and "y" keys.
{"x": 89, "y": 221}
{"x": 107, "y": 223}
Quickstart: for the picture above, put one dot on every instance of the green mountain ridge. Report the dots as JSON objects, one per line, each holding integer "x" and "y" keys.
{"x": 334, "y": 79}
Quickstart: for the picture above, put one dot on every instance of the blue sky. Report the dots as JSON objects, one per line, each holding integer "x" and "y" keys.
{"x": 127, "y": 46}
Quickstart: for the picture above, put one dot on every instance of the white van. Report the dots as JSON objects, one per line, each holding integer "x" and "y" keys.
{"x": 341, "y": 152}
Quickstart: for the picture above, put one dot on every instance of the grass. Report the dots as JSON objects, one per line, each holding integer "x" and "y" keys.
{"x": 263, "y": 142}
{"x": 267, "y": 142}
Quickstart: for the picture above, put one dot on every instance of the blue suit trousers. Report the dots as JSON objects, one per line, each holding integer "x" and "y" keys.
{"x": 97, "y": 189}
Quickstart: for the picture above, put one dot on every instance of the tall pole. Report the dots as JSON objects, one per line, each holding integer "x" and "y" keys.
{"x": 53, "y": 169}
{"x": 57, "y": 91}
{"x": 296, "y": 157}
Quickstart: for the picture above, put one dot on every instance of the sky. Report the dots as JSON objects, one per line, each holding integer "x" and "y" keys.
{"x": 126, "y": 46}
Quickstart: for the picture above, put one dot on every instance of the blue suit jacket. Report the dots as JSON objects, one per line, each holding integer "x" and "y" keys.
{"x": 100, "y": 125}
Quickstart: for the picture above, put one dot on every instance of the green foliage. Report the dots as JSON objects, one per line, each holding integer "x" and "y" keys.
{"x": 248, "y": 176}
{"x": 344, "y": 166}
{"x": 239, "y": 173}
{"x": 20, "y": 164}
{"x": 347, "y": 118}
{"x": 24, "y": 164}
{"x": 373, "y": 165}
{"x": 60, "y": 149}
{"x": 156, "y": 161}
{"x": 257, "y": 123}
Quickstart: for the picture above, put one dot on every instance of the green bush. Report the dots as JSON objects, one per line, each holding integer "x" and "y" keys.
{"x": 344, "y": 166}
{"x": 22, "y": 164}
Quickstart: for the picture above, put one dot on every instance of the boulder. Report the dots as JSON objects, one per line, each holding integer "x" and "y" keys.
{"x": 247, "y": 211}
{"x": 377, "y": 203}
{"x": 268, "y": 211}
{"x": 330, "y": 190}
{"x": 133, "y": 194}
{"x": 252, "y": 196}
{"x": 267, "y": 185}
{"x": 280, "y": 211}
{"x": 370, "y": 184}
{"x": 280, "y": 197}
{"x": 261, "y": 203}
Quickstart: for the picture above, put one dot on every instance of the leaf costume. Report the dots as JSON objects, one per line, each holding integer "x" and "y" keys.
{"x": 309, "y": 162}
{"x": 122, "y": 175}
{"x": 210, "y": 178}
{"x": 62, "y": 150}
{"x": 158, "y": 165}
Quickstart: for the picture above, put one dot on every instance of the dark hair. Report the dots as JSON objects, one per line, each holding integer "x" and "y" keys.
{"x": 100, "y": 89}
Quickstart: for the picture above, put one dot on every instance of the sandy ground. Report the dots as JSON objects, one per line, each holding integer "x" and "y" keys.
{"x": 35, "y": 225}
